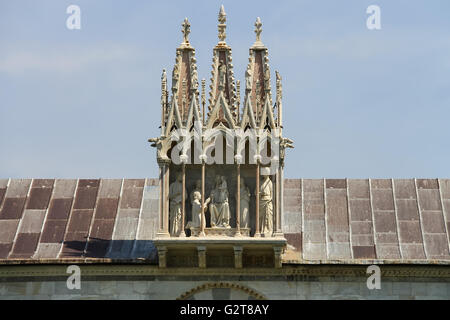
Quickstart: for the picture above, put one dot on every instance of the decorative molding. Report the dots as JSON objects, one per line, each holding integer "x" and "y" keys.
{"x": 227, "y": 285}
{"x": 144, "y": 270}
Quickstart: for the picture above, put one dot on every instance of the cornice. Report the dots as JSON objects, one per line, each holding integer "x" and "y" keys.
{"x": 287, "y": 271}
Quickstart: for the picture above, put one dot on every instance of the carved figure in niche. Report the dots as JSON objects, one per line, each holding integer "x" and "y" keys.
{"x": 265, "y": 206}
{"x": 244, "y": 204}
{"x": 248, "y": 77}
{"x": 196, "y": 210}
{"x": 222, "y": 74}
{"x": 175, "y": 198}
{"x": 198, "y": 187}
{"x": 219, "y": 208}
{"x": 175, "y": 76}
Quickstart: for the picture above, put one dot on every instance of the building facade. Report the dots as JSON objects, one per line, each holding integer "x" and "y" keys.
{"x": 221, "y": 222}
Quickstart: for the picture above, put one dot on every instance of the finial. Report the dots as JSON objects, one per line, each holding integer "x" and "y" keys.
{"x": 163, "y": 85}
{"x": 222, "y": 24}
{"x": 164, "y": 77}
{"x": 163, "y": 98}
{"x": 186, "y": 30}
{"x": 203, "y": 99}
{"x": 222, "y": 15}
{"x": 279, "y": 98}
{"x": 258, "y": 30}
{"x": 279, "y": 87}
{"x": 203, "y": 91}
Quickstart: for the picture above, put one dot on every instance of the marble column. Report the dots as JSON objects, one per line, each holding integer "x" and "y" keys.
{"x": 202, "y": 220}
{"x": 238, "y": 200}
{"x": 279, "y": 203}
{"x": 257, "y": 226}
{"x": 164, "y": 200}
{"x": 183, "y": 201}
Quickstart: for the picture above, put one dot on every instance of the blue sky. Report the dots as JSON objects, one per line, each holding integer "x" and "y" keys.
{"x": 358, "y": 103}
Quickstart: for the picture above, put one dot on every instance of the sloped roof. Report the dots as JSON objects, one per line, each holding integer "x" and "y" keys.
{"x": 325, "y": 220}
{"x": 57, "y": 219}
{"x": 400, "y": 220}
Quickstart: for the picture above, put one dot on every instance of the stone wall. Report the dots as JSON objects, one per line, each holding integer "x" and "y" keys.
{"x": 322, "y": 288}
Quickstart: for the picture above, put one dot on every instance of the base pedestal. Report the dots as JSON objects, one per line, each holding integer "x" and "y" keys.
{"x": 220, "y": 252}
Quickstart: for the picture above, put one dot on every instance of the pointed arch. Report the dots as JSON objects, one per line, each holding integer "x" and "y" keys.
{"x": 221, "y": 104}
{"x": 193, "y": 114}
{"x": 267, "y": 118}
{"x": 174, "y": 117}
{"x": 248, "y": 118}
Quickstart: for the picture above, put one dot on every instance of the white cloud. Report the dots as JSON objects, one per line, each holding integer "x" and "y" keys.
{"x": 67, "y": 59}
{"x": 363, "y": 45}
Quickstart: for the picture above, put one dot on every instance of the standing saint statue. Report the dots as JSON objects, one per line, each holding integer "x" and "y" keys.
{"x": 175, "y": 76}
{"x": 265, "y": 206}
{"x": 222, "y": 74}
{"x": 244, "y": 204}
{"x": 248, "y": 78}
{"x": 219, "y": 208}
{"x": 194, "y": 74}
{"x": 197, "y": 210}
{"x": 198, "y": 187}
{"x": 175, "y": 199}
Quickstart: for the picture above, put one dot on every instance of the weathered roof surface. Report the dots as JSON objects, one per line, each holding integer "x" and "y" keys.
{"x": 325, "y": 220}
{"x": 384, "y": 219}
{"x": 49, "y": 219}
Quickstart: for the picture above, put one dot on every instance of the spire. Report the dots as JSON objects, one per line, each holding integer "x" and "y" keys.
{"x": 223, "y": 86}
{"x": 203, "y": 100}
{"x": 279, "y": 99}
{"x": 184, "y": 107}
{"x": 194, "y": 107}
{"x": 258, "y": 92}
{"x": 222, "y": 25}
{"x": 163, "y": 99}
{"x": 184, "y": 83}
